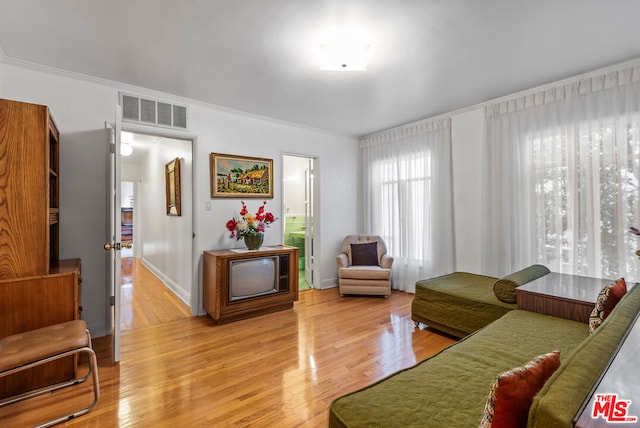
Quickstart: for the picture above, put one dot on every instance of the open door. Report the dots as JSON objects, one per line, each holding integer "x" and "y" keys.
{"x": 114, "y": 234}
{"x": 309, "y": 224}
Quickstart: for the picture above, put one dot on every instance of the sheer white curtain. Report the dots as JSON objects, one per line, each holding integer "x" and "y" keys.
{"x": 406, "y": 183}
{"x": 560, "y": 179}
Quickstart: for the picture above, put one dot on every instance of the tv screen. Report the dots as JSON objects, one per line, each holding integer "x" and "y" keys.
{"x": 253, "y": 277}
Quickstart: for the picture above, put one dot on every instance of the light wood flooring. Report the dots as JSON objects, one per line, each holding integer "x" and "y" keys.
{"x": 276, "y": 370}
{"x": 145, "y": 300}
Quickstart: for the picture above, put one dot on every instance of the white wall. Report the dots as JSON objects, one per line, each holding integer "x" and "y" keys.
{"x": 467, "y": 131}
{"x": 226, "y": 132}
{"x": 166, "y": 241}
{"x": 80, "y": 104}
{"x": 126, "y": 194}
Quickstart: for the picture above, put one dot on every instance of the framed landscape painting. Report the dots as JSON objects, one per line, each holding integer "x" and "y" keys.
{"x": 240, "y": 176}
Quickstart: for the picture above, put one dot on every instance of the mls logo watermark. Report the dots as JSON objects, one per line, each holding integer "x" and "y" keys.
{"x": 612, "y": 409}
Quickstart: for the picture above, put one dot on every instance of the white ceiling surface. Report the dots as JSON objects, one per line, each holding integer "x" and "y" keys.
{"x": 428, "y": 56}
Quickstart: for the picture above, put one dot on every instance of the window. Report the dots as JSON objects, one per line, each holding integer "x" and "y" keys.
{"x": 586, "y": 190}
{"x": 404, "y": 188}
{"x": 406, "y": 198}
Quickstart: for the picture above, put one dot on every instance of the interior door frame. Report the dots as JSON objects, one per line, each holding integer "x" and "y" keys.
{"x": 196, "y": 291}
{"x": 312, "y": 235}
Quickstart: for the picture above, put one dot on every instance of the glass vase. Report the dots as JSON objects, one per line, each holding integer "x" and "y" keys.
{"x": 253, "y": 242}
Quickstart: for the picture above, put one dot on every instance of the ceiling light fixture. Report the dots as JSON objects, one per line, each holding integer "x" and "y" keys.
{"x": 126, "y": 139}
{"x": 126, "y": 149}
{"x": 343, "y": 50}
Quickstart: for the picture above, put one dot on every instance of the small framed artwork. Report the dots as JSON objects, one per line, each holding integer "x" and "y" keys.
{"x": 240, "y": 176}
{"x": 172, "y": 179}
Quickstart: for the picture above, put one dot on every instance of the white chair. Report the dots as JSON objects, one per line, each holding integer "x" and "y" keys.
{"x": 364, "y": 267}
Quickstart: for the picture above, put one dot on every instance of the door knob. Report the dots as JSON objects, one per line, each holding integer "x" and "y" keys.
{"x": 118, "y": 246}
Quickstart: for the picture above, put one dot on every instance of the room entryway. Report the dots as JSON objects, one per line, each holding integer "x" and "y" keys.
{"x": 300, "y": 213}
{"x": 152, "y": 289}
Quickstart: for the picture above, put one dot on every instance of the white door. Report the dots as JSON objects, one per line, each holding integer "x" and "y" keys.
{"x": 309, "y": 223}
{"x": 114, "y": 237}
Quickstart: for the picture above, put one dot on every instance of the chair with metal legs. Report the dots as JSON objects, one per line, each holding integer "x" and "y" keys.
{"x": 26, "y": 350}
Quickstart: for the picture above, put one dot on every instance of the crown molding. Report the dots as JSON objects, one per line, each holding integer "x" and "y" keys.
{"x": 146, "y": 92}
{"x": 569, "y": 80}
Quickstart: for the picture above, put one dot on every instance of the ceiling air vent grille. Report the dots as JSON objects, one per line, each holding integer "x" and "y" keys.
{"x": 153, "y": 112}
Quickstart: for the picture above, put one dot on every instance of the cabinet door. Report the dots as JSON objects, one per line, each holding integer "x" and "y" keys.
{"x": 24, "y": 190}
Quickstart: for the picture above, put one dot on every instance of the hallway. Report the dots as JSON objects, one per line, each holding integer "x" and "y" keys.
{"x": 144, "y": 300}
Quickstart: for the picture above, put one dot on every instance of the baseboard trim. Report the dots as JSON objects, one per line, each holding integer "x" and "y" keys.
{"x": 170, "y": 284}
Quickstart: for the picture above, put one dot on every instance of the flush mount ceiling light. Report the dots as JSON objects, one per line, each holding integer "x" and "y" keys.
{"x": 343, "y": 50}
{"x": 125, "y": 147}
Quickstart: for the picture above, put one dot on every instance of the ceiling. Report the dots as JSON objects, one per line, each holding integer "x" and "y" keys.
{"x": 142, "y": 145}
{"x": 427, "y": 57}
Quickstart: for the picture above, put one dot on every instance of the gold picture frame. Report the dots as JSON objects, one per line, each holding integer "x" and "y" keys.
{"x": 172, "y": 179}
{"x": 240, "y": 176}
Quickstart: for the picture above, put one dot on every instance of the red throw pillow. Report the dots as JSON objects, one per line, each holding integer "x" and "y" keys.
{"x": 616, "y": 293}
{"x": 607, "y": 299}
{"x": 512, "y": 393}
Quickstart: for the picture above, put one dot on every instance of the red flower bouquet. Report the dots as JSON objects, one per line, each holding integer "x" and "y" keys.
{"x": 250, "y": 224}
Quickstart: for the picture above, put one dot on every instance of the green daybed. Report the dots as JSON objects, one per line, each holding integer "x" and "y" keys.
{"x": 450, "y": 389}
{"x": 461, "y": 303}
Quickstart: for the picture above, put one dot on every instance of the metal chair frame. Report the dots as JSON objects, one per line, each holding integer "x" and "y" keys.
{"x": 93, "y": 371}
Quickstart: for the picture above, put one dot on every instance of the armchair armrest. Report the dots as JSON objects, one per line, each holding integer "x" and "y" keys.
{"x": 386, "y": 261}
{"x": 342, "y": 260}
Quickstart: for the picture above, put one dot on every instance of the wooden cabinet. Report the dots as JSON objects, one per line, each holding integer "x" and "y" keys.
{"x": 29, "y": 192}
{"x": 36, "y": 288}
{"x": 240, "y": 284}
{"x": 126, "y": 224}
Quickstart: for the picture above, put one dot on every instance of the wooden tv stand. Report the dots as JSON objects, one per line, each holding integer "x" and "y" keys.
{"x": 216, "y": 275}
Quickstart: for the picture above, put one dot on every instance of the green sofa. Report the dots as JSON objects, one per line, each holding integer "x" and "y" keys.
{"x": 461, "y": 303}
{"x": 450, "y": 389}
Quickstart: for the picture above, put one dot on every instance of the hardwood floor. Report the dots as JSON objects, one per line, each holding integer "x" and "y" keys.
{"x": 276, "y": 370}
{"x": 145, "y": 300}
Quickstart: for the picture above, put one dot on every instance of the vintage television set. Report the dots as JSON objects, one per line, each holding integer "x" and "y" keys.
{"x": 258, "y": 276}
{"x": 239, "y": 284}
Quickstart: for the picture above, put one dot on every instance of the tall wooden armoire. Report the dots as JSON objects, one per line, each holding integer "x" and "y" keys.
{"x": 36, "y": 288}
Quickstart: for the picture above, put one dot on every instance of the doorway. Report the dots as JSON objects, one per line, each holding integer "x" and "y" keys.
{"x": 299, "y": 213}
{"x": 127, "y": 203}
{"x": 161, "y": 252}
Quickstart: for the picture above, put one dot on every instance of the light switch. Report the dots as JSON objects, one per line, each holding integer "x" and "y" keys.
{"x": 207, "y": 205}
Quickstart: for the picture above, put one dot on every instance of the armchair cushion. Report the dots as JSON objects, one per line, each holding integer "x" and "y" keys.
{"x": 365, "y": 254}
{"x": 365, "y": 273}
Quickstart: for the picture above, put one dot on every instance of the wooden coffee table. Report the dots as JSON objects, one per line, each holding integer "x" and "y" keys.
{"x": 566, "y": 296}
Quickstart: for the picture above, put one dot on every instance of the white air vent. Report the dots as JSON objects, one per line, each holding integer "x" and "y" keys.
{"x": 153, "y": 112}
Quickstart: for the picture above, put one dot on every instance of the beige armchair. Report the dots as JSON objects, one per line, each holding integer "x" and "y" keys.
{"x": 364, "y": 267}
